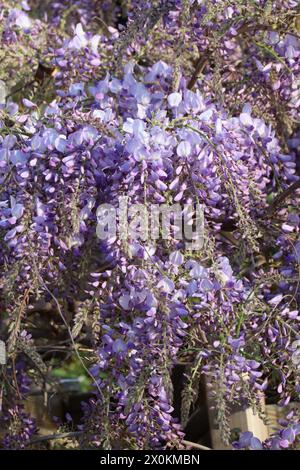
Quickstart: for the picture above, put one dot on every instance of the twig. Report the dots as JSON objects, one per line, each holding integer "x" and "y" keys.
{"x": 282, "y": 196}
{"x": 71, "y": 336}
{"x": 199, "y": 67}
{"x": 50, "y": 437}
{"x": 20, "y": 88}
{"x": 195, "y": 445}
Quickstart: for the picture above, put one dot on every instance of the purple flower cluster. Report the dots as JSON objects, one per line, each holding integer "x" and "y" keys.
{"x": 226, "y": 139}
{"x": 21, "y": 428}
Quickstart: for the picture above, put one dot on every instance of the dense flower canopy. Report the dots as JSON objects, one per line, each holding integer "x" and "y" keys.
{"x": 167, "y": 102}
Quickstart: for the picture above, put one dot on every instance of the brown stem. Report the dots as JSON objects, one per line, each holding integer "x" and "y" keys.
{"x": 50, "y": 437}
{"x": 200, "y": 65}
{"x": 195, "y": 445}
{"x": 282, "y": 196}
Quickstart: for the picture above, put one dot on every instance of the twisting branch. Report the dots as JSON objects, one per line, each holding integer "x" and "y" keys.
{"x": 282, "y": 197}
{"x": 51, "y": 437}
{"x": 200, "y": 65}
{"x": 195, "y": 445}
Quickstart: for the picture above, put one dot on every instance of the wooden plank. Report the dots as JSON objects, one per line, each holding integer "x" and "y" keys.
{"x": 243, "y": 420}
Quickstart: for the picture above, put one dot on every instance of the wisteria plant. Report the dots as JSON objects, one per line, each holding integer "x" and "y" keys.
{"x": 168, "y": 103}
